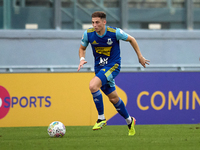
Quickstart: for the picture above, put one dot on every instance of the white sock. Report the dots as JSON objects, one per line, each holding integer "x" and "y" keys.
{"x": 101, "y": 117}
{"x": 128, "y": 120}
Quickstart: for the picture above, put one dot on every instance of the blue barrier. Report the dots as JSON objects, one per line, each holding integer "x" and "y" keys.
{"x": 161, "y": 97}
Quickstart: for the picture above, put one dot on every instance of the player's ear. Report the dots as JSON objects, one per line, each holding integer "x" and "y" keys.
{"x": 104, "y": 21}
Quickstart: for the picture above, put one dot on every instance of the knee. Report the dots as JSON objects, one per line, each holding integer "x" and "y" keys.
{"x": 93, "y": 87}
{"x": 95, "y": 84}
{"x": 114, "y": 100}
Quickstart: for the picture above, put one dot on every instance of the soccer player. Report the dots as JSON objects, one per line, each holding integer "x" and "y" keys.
{"x": 105, "y": 45}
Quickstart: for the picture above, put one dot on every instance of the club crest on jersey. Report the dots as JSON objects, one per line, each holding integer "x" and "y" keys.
{"x": 109, "y": 41}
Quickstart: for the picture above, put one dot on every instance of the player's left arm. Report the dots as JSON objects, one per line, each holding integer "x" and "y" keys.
{"x": 121, "y": 35}
{"x": 135, "y": 46}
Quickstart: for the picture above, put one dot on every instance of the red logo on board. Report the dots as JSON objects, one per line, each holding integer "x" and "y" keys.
{"x": 3, "y": 110}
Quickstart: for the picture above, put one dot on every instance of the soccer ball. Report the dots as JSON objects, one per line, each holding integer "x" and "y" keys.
{"x": 56, "y": 129}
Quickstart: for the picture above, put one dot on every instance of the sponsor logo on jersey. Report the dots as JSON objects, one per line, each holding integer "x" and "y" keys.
{"x": 103, "y": 50}
{"x": 103, "y": 61}
{"x": 122, "y": 32}
{"x": 95, "y": 42}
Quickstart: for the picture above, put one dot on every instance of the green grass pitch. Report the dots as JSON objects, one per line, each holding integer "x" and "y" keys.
{"x": 147, "y": 137}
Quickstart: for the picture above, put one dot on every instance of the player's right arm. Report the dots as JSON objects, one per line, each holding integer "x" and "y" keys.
{"x": 82, "y": 50}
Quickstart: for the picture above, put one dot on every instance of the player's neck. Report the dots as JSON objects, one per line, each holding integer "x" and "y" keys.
{"x": 101, "y": 32}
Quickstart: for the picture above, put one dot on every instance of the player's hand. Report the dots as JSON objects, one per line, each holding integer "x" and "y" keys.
{"x": 82, "y": 62}
{"x": 143, "y": 61}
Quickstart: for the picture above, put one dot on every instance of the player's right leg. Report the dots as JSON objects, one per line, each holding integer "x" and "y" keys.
{"x": 100, "y": 80}
{"x": 95, "y": 85}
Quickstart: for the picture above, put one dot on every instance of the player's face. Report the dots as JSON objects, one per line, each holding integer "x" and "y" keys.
{"x": 98, "y": 24}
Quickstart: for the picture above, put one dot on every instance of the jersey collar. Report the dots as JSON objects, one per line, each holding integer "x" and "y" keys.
{"x": 103, "y": 34}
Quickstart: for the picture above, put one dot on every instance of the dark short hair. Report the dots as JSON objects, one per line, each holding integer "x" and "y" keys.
{"x": 99, "y": 14}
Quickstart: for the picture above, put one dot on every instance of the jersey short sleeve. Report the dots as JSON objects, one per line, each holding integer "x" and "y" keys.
{"x": 84, "y": 40}
{"x": 121, "y": 35}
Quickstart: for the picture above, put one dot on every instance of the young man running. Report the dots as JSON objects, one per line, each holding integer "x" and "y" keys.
{"x": 105, "y": 45}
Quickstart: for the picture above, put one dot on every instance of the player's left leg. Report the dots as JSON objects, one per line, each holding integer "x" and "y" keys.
{"x": 120, "y": 107}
